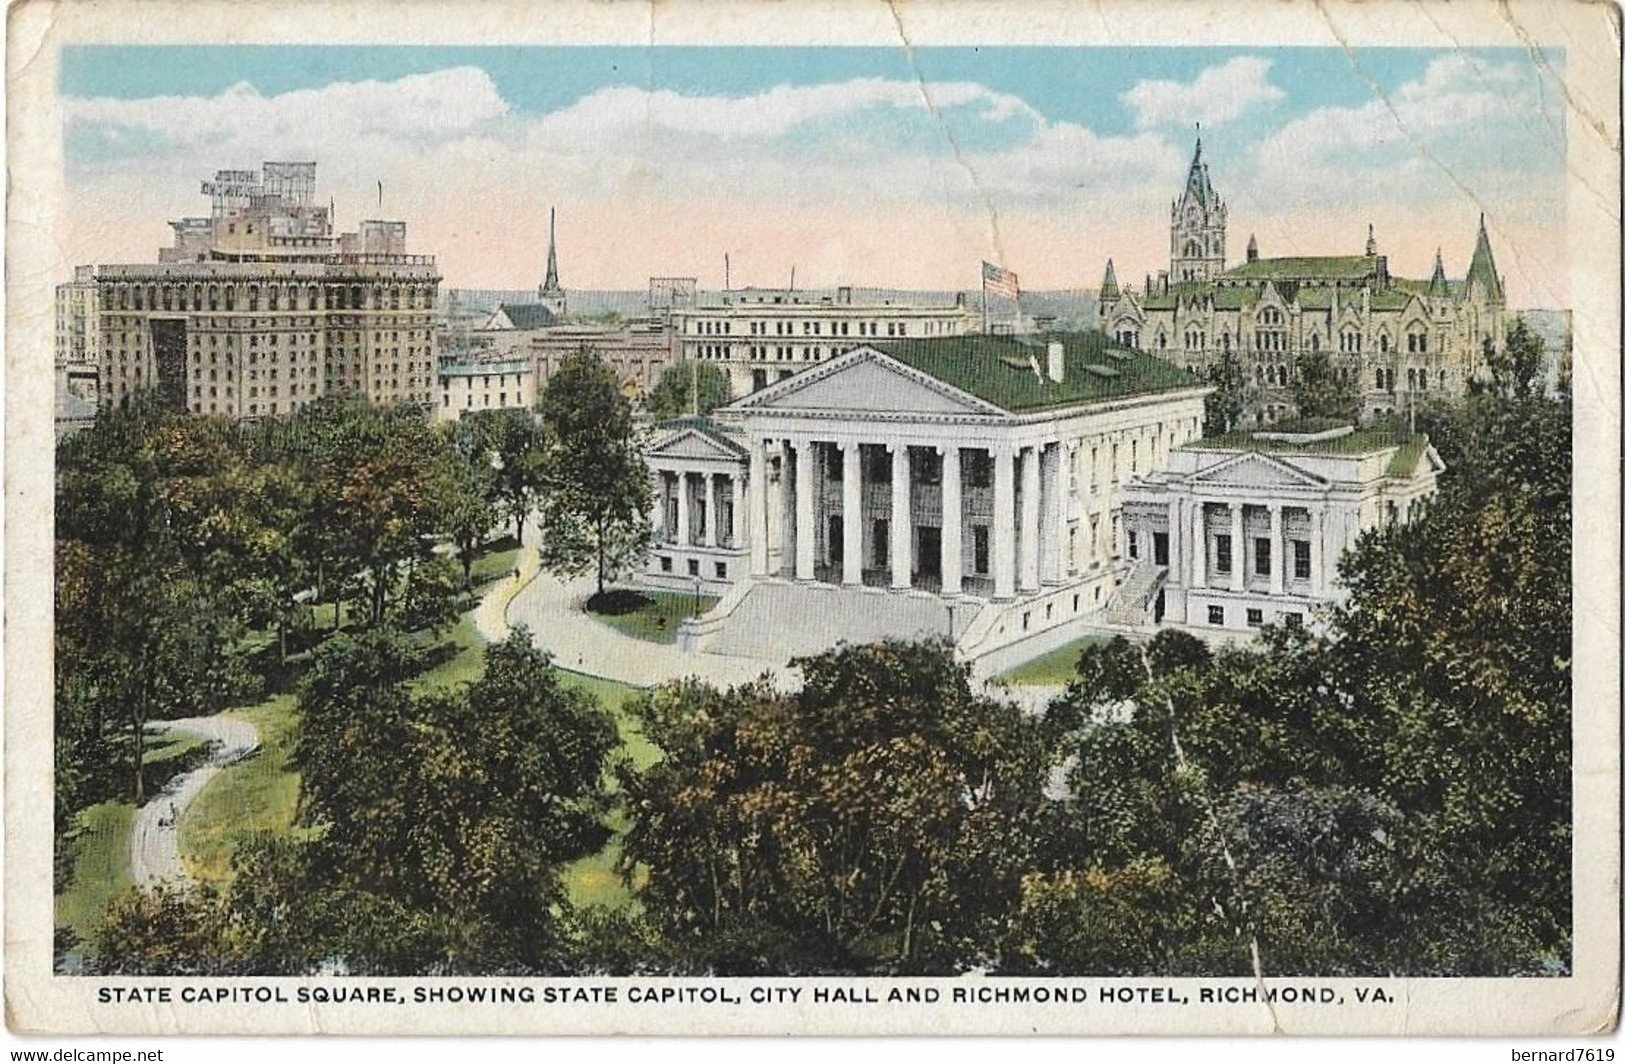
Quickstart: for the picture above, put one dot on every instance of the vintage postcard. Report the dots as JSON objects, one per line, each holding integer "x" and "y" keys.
{"x": 818, "y": 518}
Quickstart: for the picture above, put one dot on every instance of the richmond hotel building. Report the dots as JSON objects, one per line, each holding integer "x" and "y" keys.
{"x": 259, "y": 307}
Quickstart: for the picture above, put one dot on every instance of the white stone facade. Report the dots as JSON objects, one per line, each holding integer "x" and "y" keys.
{"x": 873, "y": 476}
{"x": 760, "y": 336}
{"x": 1232, "y": 536}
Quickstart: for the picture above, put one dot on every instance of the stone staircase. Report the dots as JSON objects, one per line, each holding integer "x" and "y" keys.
{"x": 1131, "y": 606}
{"x": 779, "y": 620}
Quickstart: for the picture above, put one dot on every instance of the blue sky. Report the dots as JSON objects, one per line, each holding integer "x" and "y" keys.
{"x": 728, "y": 143}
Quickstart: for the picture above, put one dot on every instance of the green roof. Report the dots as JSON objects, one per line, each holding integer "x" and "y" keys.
{"x": 1312, "y": 267}
{"x": 1235, "y": 297}
{"x": 998, "y": 369}
{"x": 1367, "y": 440}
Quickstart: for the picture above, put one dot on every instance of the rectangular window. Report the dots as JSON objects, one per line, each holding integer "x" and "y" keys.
{"x": 665, "y": 564}
{"x": 1221, "y": 555}
{"x": 1261, "y": 556}
{"x": 1294, "y": 620}
{"x": 1300, "y": 559}
{"x": 1133, "y": 544}
{"x": 979, "y": 549}
{"x": 693, "y": 567}
{"x": 722, "y": 570}
{"x": 1255, "y": 618}
{"x": 1215, "y": 616}
{"x": 882, "y": 541}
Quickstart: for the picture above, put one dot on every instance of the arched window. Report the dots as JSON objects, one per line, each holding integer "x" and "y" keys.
{"x": 197, "y": 297}
{"x": 377, "y": 296}
{"x": 231, "y": 297}
{"x": 214, "y": 297}
{"x": 394, "y": 297}
{"x": 355, "y": 297}
{"x": 1192, "y": 249}
{"x": 1271, "y": 316}
{"x": 274, "y": 297}
{"x": 1382, "y": 343}
{"x": 1314, "y": 341}
{"x": 152, "y": 297}
{"x": 313, "y": 298}
{"x": 253, "y": 297}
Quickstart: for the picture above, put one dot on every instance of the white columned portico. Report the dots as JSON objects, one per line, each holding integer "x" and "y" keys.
{"x": 804, "y": 509}
{"x": 851, "y": 513}
{"x": 1004, "y": 524}
{"x": 902, "y": 530}
{"x": 710, "y": 509}
{"x": 682, "y": 509}
{"x": 1238, "y": 549}
{"x": 757, "y": 500}
{"x": 1277, "y": 563}
{"x": 953, "y": 539}
{"x": 1029, "y": 519}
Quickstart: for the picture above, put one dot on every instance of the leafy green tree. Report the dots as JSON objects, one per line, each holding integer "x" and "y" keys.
{"x": 456, "y": 809}
{"x": 1516, "y": 367}
{"x": 511, "y": 444}
{"x": 875, "y": 820}
{"x": 689, "y": 389}
{"x": 1222, "y": 409}
{"x": 1319, "y": 390}
{"x": 596, "y": 497}
{"x": 469, "y": 515}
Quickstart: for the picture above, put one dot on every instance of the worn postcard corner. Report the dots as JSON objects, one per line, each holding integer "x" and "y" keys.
{"x": 826, "y": 518}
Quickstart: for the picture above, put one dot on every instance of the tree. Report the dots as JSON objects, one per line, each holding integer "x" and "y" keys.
{"x": 689, "y": 388}
{"x": 455, "y": 810}
{"x": 1320, "y": 391}
{"x": 1516, "y": 367}
{"x": 469, "y": 514}
{"x": 875, "y": 820}
{"x": 596, "y": 497}
{"x": 1222, "y": 409}
{"x": 508, "y": 442}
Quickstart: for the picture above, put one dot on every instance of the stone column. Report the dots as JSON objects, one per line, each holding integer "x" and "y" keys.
{"x": 1062, "y": 510}
{"x": 1176, "y": 532}
{"x": 1317, "y": 530}
{"x": 736, "y": 499}
{"x": 1198, "y": 547}
{"x": 710, "y": 509}
{"x": 852, "y": 513}
{"x": 804, "y": 489}
{"x": 1049, "y": 514}
{"x": 758, "y": 509}
{"x": 786, "y": 501}
{"x": 682, "y": 509}
{"x": 902, "y": 528}
{"x": 1238, "y": 550}
{"x": 953, "y": 535}
{"x": 1029, "y": 519}
{"x": 1277, "y": 543}
{"x": 659, "y": 514}
{"x": 1004, "y": 524}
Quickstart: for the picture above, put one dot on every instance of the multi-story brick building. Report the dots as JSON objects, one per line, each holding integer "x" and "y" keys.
{"x": 260, "y": 308}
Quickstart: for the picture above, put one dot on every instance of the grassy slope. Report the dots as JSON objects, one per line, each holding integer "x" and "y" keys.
{"x": 101, "y": 868}
{"x": 656, "y": 617}
{"x": 256, "y": 794}
{"x": 1055, "y": 669}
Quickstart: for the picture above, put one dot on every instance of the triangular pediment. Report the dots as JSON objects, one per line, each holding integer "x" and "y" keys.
{"x": 693, "y": 443}
{"x": 1253, "y": 469}
{"x": 865, "y": 381}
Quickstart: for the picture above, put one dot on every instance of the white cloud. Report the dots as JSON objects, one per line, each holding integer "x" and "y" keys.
{"x": 1218, "y": 94}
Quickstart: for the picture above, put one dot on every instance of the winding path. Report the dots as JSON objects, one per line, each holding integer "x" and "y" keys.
{"x": 155, "y": 855}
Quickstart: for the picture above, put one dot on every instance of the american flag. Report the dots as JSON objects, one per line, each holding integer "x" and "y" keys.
{"x": 1000, "y": 281}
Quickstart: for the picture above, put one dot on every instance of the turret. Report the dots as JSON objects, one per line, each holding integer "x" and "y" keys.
{"x": 1438, "y": 287}
{"x": 1108, "y": 287}
{"x": 1252, "y": 248}
{"x": 1370, "y": 241}
{"x": 1196, "y": 232}
{"x": 1481, "y": 275}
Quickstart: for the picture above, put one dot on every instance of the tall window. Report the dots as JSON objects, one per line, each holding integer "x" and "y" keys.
{"x": 1261, "y": 556}
{"x": 1221, "y": 554}
{"x": 1300, "y": 559}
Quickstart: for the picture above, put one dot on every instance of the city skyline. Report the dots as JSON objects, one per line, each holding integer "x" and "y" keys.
{"x": 863, "y": 166}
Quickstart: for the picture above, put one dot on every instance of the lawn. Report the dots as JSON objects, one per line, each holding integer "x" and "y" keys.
{"x": 256, "y": 794}
{"x": 1055, "y": 669}
{"x": 652, "y": 616}
{"x": 101, "y": 866}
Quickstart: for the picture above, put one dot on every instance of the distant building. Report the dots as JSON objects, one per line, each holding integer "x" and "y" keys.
{"x": 1242, "y": 530}
{"x": 551, "y": 303}
{"x": 259, "y": 308}
{"x": 466, "y": 387}
{"x": 78, "y": 338}
{"x": 521, "y": 316}
{"x": 638, "y": 351}
{"x": 762, "y": 335}
{"x": 1397, "y": 341}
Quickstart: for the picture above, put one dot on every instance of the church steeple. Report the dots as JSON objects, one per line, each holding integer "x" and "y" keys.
{"x": 1438, "y": 286}
{"x": 551, "y": 294}
{"x": 1196, "y": 232}
{"x": 1252, "y": 248}
{"x": 1482, "y": 271}
{"x": 1108, "y": 287}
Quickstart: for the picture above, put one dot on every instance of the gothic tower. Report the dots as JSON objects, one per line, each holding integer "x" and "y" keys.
{"x": 1196, "y": 236}
{"x": 550, "y": 294}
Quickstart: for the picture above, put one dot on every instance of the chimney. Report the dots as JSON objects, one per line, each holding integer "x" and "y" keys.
{"x": 1162, "y": 282}
{"x": 1056, "y": 363}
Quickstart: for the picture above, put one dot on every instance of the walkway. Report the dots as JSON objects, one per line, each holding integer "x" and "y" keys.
{"x": 554, "y": 612}
{"x": 155, "y": 855}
